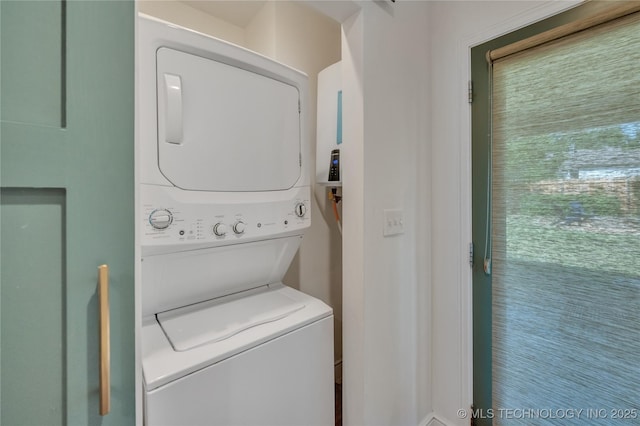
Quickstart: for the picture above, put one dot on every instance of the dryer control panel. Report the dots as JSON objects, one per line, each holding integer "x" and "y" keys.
{"x": 171, "y": 216}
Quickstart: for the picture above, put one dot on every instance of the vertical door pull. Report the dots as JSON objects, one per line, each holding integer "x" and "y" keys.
{"x": 173, "y": 108}
{"x": 105, "y": 366}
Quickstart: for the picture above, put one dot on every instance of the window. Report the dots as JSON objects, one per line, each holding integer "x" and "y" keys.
{"x": 565, "y": 228}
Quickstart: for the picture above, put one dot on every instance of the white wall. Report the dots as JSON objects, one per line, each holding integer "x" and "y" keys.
{"x": 352, "y": 158}
{"x": 386, "y": 288}
{"x": 453, "y": 28}
{"x": 186, "y": 16}
{"x": 260, "y": 33}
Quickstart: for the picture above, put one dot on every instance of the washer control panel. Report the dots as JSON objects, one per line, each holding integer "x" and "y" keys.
{"x": 170, "y": 221}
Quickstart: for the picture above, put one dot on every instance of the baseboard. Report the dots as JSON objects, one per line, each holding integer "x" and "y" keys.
{"x": 432, "y": 420}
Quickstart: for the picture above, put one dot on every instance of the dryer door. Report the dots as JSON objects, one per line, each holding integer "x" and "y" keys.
{"x": 224, "y": 128}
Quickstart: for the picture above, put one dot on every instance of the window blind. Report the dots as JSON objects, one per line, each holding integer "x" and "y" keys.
{"x": 565, "y": 227}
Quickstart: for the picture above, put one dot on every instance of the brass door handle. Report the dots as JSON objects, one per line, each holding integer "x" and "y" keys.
{"x": 105, "y": 363}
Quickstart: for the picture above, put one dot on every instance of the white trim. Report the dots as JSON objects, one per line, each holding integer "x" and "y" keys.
{"x": 465, "y": 278}
{"x": 432, "y": 420}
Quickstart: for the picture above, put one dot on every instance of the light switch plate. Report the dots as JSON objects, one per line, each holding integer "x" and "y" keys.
{"x": 393, "y": 222}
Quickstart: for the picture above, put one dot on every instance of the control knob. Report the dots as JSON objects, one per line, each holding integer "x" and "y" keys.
{"x": 220, "y": 229}
{"x": 301, "y": 209}
{"x": 160, "y": 219}
{"x": 239, "y": 227}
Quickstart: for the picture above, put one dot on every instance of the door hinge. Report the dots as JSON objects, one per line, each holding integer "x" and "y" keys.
{"x": 470, "y": 91}
{"x": 299, "y": 107}
{"x": 300, "y": 159}
{"x": 471, "y": 254}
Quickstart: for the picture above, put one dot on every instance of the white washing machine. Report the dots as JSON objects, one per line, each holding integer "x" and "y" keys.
{"x": 225, "y": 200}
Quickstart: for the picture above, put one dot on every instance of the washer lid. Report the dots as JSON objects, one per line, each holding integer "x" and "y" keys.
{"x": 218, "y": 319}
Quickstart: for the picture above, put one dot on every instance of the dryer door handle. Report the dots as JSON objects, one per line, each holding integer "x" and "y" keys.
{"x": 173, "y": 108}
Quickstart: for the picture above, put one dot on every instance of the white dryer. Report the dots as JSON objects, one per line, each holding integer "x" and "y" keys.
{"x": 223, "y": 161}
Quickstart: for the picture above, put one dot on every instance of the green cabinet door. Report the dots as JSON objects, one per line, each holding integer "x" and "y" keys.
{"x": 67, "y": 206}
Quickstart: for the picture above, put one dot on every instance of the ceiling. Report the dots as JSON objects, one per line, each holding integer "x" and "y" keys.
{"x": 236, "y": 12}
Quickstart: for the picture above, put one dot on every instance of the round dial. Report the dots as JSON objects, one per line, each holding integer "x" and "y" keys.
{"x": 220, "y": 229}
{"x": 239, "y": 227}
{"x": 160, "y": 219}
{"x": 301, "y": 209}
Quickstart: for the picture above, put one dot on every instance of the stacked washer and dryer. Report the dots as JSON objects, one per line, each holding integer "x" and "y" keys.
{"x": 225, "y": 200}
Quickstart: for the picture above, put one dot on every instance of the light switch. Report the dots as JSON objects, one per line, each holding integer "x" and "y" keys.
{"x": 393, "y": 222}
